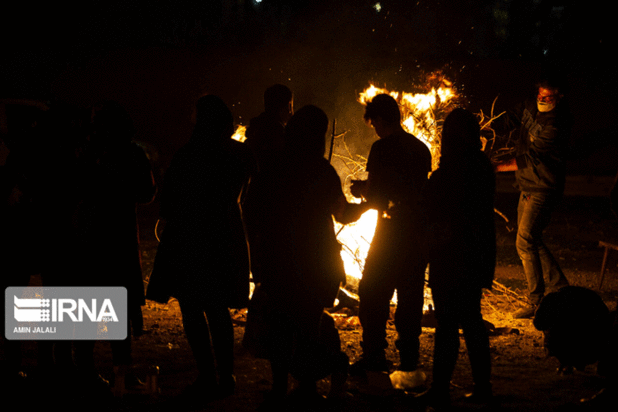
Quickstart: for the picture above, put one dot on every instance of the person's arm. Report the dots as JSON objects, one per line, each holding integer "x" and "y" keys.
{"x": 349, "y": 212}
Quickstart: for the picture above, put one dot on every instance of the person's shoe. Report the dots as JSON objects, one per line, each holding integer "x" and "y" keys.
{"x": 527, "y": 312}
{"x": 480, "y": 396}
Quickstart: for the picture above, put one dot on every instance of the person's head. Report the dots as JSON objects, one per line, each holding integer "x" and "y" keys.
{"x": 549, "y": 93}
{"x": 278, "y": 99}
{"x": 212, "y": 115}
{"x": 383, "y": 114}
{"x": 461, "y": 133}
{"x": 305, "y": 133}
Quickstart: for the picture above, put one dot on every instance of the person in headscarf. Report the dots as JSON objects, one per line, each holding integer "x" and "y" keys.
{"x": 202, "y": 259}
{"x": 461, "y": 247}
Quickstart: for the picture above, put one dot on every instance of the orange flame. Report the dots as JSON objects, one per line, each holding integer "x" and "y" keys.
{"x": 239, "y": 134}
{"x": 421, "y": 113}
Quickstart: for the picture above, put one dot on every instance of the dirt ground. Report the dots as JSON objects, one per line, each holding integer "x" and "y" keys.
{"x": 524, "y": 378}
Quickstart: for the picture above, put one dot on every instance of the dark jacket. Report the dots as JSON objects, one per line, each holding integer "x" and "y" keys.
{"x": 297, "y": 256}
{"x": 542, "y": 150}
{"x": 460, "y": 241}
{"x": 398, "y": 166}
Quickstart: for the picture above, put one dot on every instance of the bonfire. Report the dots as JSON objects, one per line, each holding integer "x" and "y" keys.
{"x": 423, "y": 113}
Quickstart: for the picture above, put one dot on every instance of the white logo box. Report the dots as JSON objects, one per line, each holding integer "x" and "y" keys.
{"x": 66, "y": 313}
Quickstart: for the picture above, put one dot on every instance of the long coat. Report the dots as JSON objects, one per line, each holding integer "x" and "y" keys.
{"x": 203, "y": 249}
{"x": 458, "y": 201}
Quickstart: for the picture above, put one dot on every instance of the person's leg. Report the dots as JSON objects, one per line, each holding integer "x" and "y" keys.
{"x": 534, "y": 213}
{"x": 198, "y": 335}
{"x": 121, "y": 350}
{"x": 552, "y": 273}
{"x": 122, "y": 360}
{"x": 374, "y": 311}
{"x": 222, "y": 335}
{"x": 279, "y": 343}
{"x": 446, "y": 347}
{"x": 477, "y": 342}
{"x": 409, "y": 314}
{"x": 528, "y": 241}
{"x": 375, "y": 291}
{"x": 339, "y": 376}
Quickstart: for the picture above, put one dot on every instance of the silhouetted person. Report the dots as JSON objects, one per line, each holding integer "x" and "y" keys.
{"x": 42, "y": 188}
{"x": 202, "y": 259}
{"x": 539, "y": 168}
{"x": 461, "y": 245}
{"x": 265, "y": 138}
{"x": 116, "y": 177}
{"x": 398, "y": 166}
{"x": 58, "y": 193}
{"x": 303, "y": 269}
{"x": 19, "y": 230}
{"x": 265, "y": 132}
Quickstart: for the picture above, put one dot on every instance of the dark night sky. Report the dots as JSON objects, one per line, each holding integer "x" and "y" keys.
{"x": 156, "y": 60}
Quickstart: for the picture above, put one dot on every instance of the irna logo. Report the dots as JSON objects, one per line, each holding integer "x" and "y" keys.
{"x": 57, "y": 310}
{"x": 69, "y": 313}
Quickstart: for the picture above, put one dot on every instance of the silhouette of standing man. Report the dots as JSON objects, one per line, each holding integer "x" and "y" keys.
{"x": 398, "y": 166}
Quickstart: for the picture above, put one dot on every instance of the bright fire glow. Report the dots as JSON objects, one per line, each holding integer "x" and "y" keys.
{"x": 356, "y": 238}
{"x": 422, "y": 114}
{"x": 239, "y": 134}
